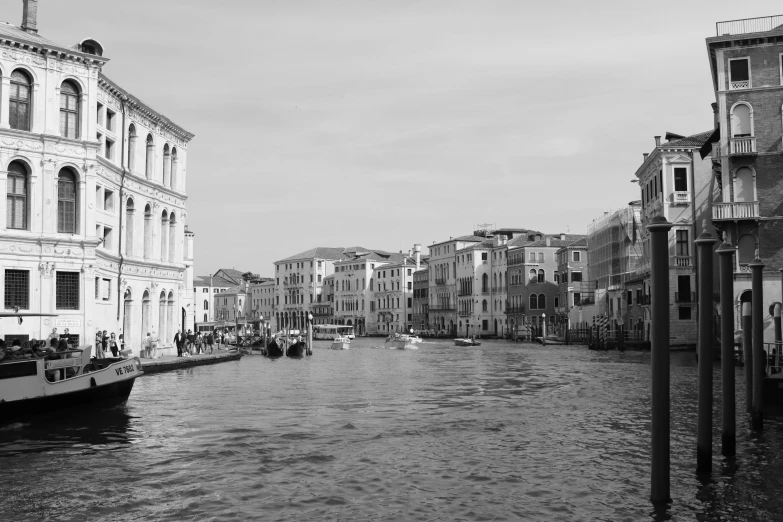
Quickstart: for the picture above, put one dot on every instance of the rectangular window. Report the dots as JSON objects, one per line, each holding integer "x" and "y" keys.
{"x": 577, "y": 256}
{"x": 110, "y": 118}
{"x": 630, "y": 297}
{"x": 576, "y": 276}
{"x": 577, "y": 298}
{"x": 739, "y": 73}
{"x": 97, "y": 287}
{"x": 684, "y": 289}
{"x": 67, "y": 291}
{"x": 108, "y": 200}
{"x": 540, "y": 257}
{"x": 682, "y": 243}
{"x": 108, "y": 237}
{"x": 16, "y": 201}
{"x": 410, "y": 302}
{"x": 685, "y": 313}
{"x": 483, "y": 256}
{"x": 105, "y": 289}
{"x": 680, "y": 179}
{"x": 17, "y": 289}
{"x": 410, "y": 285}
{"x": 109, "y": 149}
{"x": 100, "y": 114}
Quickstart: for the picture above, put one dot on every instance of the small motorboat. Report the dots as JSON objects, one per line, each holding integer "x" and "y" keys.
{"x": 341, "y": 343}
{"x": 403, "y": 341}
{"x": 466, "y": 342}
{"x": 64, "y": 379}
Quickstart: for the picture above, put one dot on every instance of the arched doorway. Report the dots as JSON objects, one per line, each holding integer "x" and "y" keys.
{"x": 127, "y": 318}
{"x": 145, "y": 314}
{"x": 162, "y": 303}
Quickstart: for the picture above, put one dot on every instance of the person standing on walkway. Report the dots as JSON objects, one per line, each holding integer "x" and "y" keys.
{"x": 145, "y": 346}
{"x": 115, "y": 349}
{"x": 154, "y": 345}
{"x": 178, "y": 343}
{"x": 98, "y": 345}
{"x": 191, "y": 341}
{"x": 210, "y": 342}
{"x": 199, "y": 341}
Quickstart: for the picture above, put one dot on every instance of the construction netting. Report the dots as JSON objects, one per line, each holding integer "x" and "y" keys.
{"x": 614, "y": 248}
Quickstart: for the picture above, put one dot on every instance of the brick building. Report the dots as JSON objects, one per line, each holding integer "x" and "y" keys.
{"x": 747, "y": 75}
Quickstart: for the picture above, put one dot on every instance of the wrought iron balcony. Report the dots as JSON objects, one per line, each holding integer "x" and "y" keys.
{"x": 464, "y": 313}
{"x": 748, "y": 25}
{"x": 498, "y": 289}
{"x": 742, "y": 146}
{"x": 442, "y": 308}
{"x": 515, "y": 310}
{"x": 684, "y": 297}
{"x": 440, "y": 281}
{"x": 735, "y": 210}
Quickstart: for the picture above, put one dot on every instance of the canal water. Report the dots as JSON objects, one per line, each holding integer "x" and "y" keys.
{"x": 500, "y": 432}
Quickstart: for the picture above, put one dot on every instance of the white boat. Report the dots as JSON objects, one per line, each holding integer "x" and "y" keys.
{"x": 403, "y": 341}
{"x": 341, "y": 343}
{"x": 63, "y": 380}
{"x": 466, "y": 342}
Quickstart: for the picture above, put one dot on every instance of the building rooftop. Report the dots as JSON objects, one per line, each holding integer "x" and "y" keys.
{"x": 212, "y": 281}
{"x": 763, "y": 24}
{"x": 469, "y": 237}
{"x": 555, "y": 241}
{"x": 695, "y": 141}
{"x": 334, "y": 253}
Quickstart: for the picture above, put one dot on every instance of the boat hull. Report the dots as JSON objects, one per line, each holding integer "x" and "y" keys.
{"x": 336, "y": 345}
{"x": 273, "y": 350}
{"x": 104, "y": 395}
{"x": 466, "y": 342}
{"x": 296, "y": 350}
{"x": 402, "y": 345}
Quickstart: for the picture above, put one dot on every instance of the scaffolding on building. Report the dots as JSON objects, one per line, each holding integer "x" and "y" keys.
{"x": 614, "y": 249}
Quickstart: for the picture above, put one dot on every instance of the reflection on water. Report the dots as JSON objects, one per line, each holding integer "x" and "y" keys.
{"x": 443, "y": 433}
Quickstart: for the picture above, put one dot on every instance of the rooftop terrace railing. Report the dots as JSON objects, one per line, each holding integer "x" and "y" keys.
{"x": 749, "y": 25}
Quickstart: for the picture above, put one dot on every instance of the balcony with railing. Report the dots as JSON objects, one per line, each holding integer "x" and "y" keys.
{"x": 646, "y": 300}
{"x": 684, "y": 297}
{"x": 515, "y": 310}
{"x": 761, "y": 24}
{"x": 584, "y": 301}
{"x": 464, "y": 293}
{"x": 498, "y": 289}
{"x": 464, "y": 313}
{"x": 744, "y": 146}
{"x": 681, "y": 261}
{"x": 735, "y": 210}
{"x": 485, "y": 291}
{"x": 440, "y": 282}
{"x": 442, "y": 308}
{"x": 681, "y": 197}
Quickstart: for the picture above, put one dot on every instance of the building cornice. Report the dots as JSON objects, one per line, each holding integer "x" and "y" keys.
{"x": 51, "y": 49}
{"x": 145, "y": 110}
{"x": 145, "y": 186}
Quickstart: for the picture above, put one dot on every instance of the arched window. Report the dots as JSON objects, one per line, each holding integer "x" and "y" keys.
{"x": 484, "y": 305}
{"x": 741, "y": 120}
{"x": 746, "y": 249}
{"x": 541, "y": 276}
{"x": 166, "y": 166}
{"x": 533, "y": 301}
{"x": 174, "y": 165}
{"x": 172, "y": 238}
{"x": 132, "y": 148}
{"x": 744, "y": 185}
{"x": 164, "y": 236}
{"x": 162, "y": 302}
{"x": 206, "y": 304}
{"x": 69, "y": 110}
{"x": 149, "y": 167}
{"x": 205, "y": 318}
{"x": 533, "y": 277}
{"x": 129, "y": 227}
{"x": 19, "y": 102}
{"x": 16, "y": 198}
{"x": 147, "y": 231}
{"x": 484, "y": 283}
{"x": 541, "y": 302}
{"x": 66, "y": 202}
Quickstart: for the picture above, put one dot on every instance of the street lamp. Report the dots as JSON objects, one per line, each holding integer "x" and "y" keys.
{"x": 543, "y": 329}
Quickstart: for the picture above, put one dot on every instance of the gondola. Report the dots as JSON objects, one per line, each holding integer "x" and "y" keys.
{"x": 273, "y": 349}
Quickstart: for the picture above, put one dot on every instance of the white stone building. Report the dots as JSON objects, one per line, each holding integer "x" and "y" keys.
{"x": 93, "y": 227}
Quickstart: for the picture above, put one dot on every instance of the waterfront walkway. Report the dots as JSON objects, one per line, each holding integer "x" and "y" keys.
{"x": 171, "y": 362}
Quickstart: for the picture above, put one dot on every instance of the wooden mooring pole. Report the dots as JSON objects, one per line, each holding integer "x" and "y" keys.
{"x": 704, "y": 245}
{"x": 759, "y": 358}
{"x": 659, "y": 282}
{"x": 728, "y": 409}
{"x": 747, "y": 353}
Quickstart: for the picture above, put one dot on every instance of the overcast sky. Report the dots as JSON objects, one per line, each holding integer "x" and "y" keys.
{"x": 394, "y": 122}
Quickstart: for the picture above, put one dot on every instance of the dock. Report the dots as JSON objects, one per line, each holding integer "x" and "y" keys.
{"x": 170, "y": 362}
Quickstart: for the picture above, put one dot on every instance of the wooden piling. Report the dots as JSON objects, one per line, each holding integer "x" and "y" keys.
{"x": 747, "y": 353}
{"x": 659, "y": 282}
{"x": 759, "y": 357}
{"x": 728, "y": 409}
{"x": 704, "y": 245}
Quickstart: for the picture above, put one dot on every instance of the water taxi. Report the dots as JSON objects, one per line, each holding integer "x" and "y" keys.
{"x": 403, "y": 341}
{"x": 466, "y": 342}
{"x": 341, "y": 343}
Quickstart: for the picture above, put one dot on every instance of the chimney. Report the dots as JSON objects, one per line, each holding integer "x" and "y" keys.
{"x": 417, "y": 249}
{"x": 538, "y": 237}
{"x": 657, "y": 141}
{"x": 644, "y": 155}
{"x": 30, "y": 16}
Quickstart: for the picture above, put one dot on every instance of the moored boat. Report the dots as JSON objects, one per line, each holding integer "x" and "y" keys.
{"x": 341, "y": 343}
{"x": 63, "y": 379}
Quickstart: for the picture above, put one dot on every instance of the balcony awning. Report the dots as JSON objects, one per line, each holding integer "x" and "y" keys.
{"x": 706, "y": 149}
